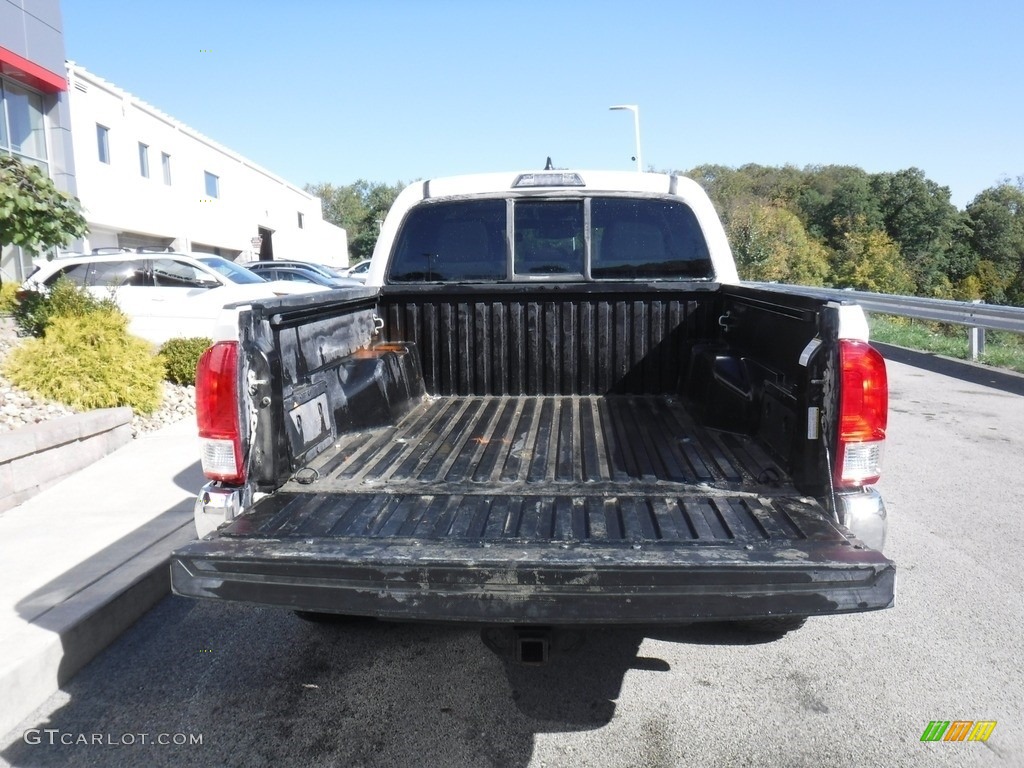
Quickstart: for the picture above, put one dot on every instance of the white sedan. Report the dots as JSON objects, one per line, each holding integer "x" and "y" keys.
{"x": 164, "y": 295}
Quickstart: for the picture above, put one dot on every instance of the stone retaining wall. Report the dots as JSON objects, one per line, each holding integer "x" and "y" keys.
{"x": 38, "y": 455}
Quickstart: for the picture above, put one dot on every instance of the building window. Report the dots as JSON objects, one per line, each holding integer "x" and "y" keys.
{"x": 22, "y": 130}
{"x": 165, "y": 162}
{"x": 300, "y": 219}
{"x": 23, "y": 135}
{"x": 212, "y": 185}
{"x": 103, "y": 143}
{"x": 5, "y": 142}
{"x": 144, "y": 159}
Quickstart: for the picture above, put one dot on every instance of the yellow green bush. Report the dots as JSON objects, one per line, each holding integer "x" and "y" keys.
{"x": 35, "y": 310}
{"x": 89, "y": 361}
{"x": 180, "y": 357}
{"x": 7, "y": 299}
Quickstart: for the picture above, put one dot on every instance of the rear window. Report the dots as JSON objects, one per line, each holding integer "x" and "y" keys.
{"x": 117, "y": 273}
{"x": 550, "y": 238}
{"x": 171, "y": 273}
{"x": 646, "y": 239}
{"x": 76, "y": 273}
{"x": 236, "y": 273}
{"x": 453, "y": 241}
{"x": 603, "y": 238}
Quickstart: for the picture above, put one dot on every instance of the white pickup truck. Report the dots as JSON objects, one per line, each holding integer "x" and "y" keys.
{"x": 553, "y": 404}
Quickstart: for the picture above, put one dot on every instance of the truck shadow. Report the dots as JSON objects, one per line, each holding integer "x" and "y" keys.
{"x": 578, "y": 689}
{"x": 263, "y": 687}
{"x": 190, "y": 478}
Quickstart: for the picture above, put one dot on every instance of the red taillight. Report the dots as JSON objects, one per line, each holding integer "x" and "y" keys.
{"x": 217, "y": 413}
{"x": 863, "y": 414}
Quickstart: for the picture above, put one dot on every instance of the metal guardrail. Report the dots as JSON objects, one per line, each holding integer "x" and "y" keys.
{"x": 975, "y": 317}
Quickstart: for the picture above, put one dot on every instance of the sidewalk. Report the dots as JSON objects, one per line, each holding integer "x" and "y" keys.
{"x": 81, "y": 561}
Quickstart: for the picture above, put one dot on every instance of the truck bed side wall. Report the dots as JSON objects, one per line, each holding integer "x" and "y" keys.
{"x": 311, "y": 352}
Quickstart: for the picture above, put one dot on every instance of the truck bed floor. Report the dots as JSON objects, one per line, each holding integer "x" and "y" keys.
{"x": 585, "y": 469}
{"x": 532, "y": 443}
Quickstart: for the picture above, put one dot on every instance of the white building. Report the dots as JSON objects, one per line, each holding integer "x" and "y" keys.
{"x": 146, "y": 179}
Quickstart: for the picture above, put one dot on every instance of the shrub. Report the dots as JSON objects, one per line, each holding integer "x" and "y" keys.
{"x": 35, "y": 310}
{"x": 31, "y": 313}
{"x": 8, "y": 302}
{"x": 89, "y": 362}
{"x": 180, "y": 357}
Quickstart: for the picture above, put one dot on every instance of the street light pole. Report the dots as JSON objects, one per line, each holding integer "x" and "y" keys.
{"x": 636, "y": 128}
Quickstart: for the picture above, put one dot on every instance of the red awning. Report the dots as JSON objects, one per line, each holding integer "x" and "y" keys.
{"x": 21, "y": 69}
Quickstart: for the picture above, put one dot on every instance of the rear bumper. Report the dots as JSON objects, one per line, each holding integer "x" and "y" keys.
{"x": 863, "y": 512}
{"x": 531, "y": 584}
{"x": 215, "y": 505}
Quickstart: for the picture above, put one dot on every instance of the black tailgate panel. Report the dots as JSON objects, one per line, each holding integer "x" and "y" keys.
{"x": 547, "y": 582}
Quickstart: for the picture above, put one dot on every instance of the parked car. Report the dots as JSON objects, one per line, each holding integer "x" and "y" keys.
{"x": 238, "y": 273}
{"x": 272, "y": 270}
{"x": 359, "y": 270}
{"x": 324, "y": 269}
{"x": 164, "y": 295}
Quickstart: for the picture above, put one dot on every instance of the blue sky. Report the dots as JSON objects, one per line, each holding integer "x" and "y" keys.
{"x": 397, "y": 90}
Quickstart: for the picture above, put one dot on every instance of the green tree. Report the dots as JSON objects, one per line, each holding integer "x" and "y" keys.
{"x": 968, "y": 289}
{"x": 359, "y": 208}
{"x": 939, "y": 249}
{"x": 852, "y": 207}
{"x": 728, "y": 189}
{"x": 34, "y": 214}
{"x": 777, "y": 185}
{"x": 918, "y": 216}
{"x": 771, "y": 244}
{"x": 832, "y": 192}
{"x": 995, "y": 235}
{"x": 869, "y": 260}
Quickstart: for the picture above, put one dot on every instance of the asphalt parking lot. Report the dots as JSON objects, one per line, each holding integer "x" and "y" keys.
{"x": 247, "y": 686}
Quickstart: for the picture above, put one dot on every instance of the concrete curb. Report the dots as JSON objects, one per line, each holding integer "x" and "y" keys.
{"x": 38, "y": 660}
{"x": 86, "y": 558}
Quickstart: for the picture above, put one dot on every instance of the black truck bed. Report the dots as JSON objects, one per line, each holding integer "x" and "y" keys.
{"x": 613, "y": 468}
{"x": 589, "y": 442}
{"x": 556, "y": 509}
